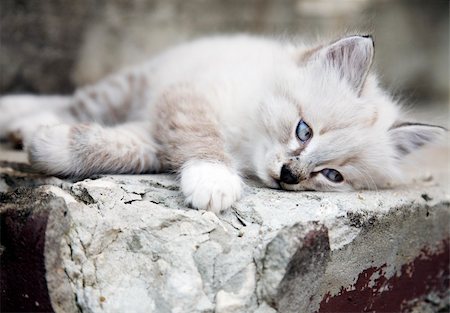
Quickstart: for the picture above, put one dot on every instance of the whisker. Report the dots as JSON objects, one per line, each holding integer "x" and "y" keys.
{"x": 367, "y": 172}
{"x": 365, "y": 175}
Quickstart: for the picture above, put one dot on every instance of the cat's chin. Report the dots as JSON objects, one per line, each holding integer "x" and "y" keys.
{"x": 294, "y": 188}
{"x": 298, "y": 187}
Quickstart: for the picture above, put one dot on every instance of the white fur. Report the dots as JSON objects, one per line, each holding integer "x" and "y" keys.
{"x": 25, "y": 127}
{"x": 49, "y": 149}
{"x": 210, "y": 186}
{"x": 25, "y": 113}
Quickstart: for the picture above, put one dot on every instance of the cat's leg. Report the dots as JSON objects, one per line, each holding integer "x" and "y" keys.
{"x": 115, "y": 99}
{"x": 193, "y": 145}
{"x": 14, "y": 106}
{"x": 81, "y": 150}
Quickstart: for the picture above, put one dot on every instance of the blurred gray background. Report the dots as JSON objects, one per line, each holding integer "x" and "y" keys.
{"x": 52, "y": 46}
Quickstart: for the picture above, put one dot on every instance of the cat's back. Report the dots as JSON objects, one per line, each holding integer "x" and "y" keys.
{"x": 220, "y": 57}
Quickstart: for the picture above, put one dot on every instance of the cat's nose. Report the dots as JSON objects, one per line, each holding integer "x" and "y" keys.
{"x": 287, "y": 177}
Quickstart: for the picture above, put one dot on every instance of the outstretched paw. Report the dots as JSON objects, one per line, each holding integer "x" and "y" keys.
{"x": 22, "y": 115}
{"x": 210, "y": 186}
{"x": 23, "y": 129}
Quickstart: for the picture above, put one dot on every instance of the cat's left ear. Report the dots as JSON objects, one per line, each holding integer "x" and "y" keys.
{"x": 351, "y": 56}
{"x": 407, "y": 137}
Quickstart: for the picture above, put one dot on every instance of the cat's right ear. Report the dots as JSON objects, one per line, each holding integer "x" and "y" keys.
{"x": 408, "y": 137}
{"x": 351, "y": 56}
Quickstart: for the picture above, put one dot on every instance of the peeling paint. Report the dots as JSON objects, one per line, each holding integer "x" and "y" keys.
{"x": 22, "y": 276}
{"x": 374, "y": 292}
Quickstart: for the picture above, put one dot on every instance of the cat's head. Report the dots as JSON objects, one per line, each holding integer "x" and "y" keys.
{"x": 328, "y": 126}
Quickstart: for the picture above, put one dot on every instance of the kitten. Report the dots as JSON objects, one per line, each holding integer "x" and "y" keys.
{"x": 295, "y": 117}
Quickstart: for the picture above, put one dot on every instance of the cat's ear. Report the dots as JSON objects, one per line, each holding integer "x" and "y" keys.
{"x": 408, "y": 137}
{"x": 350, "y": 56}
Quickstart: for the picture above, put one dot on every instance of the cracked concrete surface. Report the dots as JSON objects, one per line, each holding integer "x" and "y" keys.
{"x": 127, "y": 243}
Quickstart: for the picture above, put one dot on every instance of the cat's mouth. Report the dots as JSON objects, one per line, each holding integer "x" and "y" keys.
{"x": 277, "y": 183}
{"x": 272, "y": 182}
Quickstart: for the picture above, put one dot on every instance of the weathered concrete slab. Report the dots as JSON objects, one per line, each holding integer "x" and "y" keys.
{"x": 129, "y": 244}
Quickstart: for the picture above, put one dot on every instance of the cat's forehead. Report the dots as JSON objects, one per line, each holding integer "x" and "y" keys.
{"x": 339, "y": 118}
{"x": 326, "y": 103}
{"x": 329, "y": 107}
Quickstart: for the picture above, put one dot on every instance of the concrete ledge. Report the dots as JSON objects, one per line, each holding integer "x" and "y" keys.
{"x": 129, "y": 244}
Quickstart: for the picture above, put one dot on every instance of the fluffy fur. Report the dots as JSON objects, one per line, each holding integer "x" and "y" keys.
{"x": 219, "y": 108}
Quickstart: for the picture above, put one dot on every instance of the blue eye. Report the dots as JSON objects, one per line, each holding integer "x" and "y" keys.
{"x": 304, "y": 132}
{"x": 332, "y": 175}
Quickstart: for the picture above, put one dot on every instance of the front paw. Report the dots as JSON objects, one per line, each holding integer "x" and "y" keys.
{"x": 210, "y": 186}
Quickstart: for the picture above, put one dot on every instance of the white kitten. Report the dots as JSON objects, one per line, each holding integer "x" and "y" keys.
{"x": 293, "y": 116}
